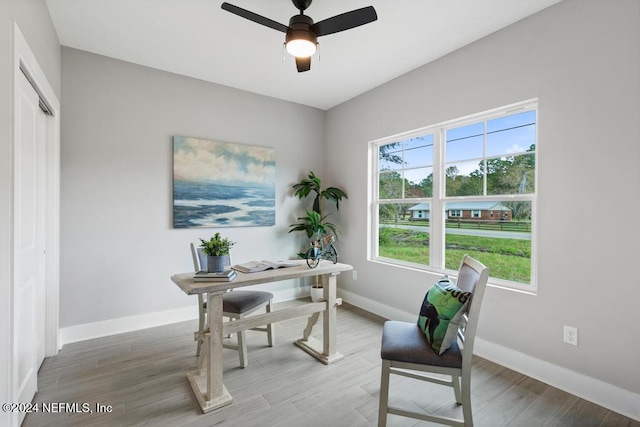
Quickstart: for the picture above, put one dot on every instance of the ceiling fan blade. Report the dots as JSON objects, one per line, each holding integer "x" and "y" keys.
{"x": 345, "y": 21}
{"x": 259, "y": 19}
{"x": 303, "y": 64}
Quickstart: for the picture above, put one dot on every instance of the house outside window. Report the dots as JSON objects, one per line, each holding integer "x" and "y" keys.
{"x": 464, "y": 186}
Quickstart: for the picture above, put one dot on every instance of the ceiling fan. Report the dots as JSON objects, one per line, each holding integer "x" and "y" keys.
{"x": 302, "y": 34}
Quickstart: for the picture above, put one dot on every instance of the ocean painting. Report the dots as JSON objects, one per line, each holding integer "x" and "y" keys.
{"x": 222, "y": 184}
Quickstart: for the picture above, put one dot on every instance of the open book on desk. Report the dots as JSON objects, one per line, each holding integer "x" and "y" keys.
{"x": 255, "y": 266}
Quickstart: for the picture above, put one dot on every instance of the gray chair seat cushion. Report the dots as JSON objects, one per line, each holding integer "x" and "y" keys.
{"x": 405, "y": 342}
{"x": 242, "y": 301}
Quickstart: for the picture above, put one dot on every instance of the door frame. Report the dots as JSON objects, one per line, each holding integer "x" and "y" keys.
{"x": 24, "y": 62}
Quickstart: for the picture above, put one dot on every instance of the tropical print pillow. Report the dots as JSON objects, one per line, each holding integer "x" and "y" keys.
{"x": 441, "y": 313}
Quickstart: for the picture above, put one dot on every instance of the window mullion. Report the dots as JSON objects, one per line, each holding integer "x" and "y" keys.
{"x": 485, "y": 178}
{"x": 403, "y": 171}
{"x": 436, "y": 240}
{"x": 373, "y": 221}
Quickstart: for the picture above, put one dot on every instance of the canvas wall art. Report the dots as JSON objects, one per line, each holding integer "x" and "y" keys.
{"x": 222, "y": 184}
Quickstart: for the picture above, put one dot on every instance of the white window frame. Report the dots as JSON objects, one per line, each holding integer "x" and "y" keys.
{"x": 439, "y": 199}
{"x": 476, "y": 213}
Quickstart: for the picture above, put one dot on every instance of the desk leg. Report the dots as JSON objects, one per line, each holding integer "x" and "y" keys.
{"x": 325, "y": 351}
{"x": 207, "y": 382}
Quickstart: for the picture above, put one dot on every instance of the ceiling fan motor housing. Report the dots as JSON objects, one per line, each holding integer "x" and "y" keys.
{"x": 299, "y": 29}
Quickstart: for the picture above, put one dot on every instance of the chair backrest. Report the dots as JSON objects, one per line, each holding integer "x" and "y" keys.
{"x": 472, "y": 277}
{"x": 199, "y": 258}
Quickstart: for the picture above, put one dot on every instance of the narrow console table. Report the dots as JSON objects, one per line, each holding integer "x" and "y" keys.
{"x": 207, "y": 381}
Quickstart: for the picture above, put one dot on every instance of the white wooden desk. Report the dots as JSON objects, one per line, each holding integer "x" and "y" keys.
{"x": 207, "y": 382}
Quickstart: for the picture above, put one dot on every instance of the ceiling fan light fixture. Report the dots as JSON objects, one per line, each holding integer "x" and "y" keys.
{"x": 301, "y": 48}
{"x": 301, "y": 41}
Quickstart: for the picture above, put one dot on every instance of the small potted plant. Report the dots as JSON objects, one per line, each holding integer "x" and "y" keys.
{"x": 217, "y": 250}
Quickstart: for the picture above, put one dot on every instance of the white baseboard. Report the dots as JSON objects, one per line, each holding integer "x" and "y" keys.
{"x": 377, "y": 307}
{"x": 121, "y": 325}
{"x": 599, "y": 392}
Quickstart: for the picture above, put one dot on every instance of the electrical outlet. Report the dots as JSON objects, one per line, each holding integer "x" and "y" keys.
{"x": 571, "y": 335}
{"x": 355, "y": 275}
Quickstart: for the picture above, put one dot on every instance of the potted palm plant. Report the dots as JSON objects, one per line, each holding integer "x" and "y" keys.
{"x": 314, "y": 184}
{"x": 314, "y": 224}
{"x": 217, "y": 250}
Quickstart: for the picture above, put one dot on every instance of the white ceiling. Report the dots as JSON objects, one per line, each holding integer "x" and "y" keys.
{"x": 196, "y": 38}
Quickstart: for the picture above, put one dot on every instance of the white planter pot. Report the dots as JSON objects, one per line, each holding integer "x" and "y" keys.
{"x": 316, "y": 294}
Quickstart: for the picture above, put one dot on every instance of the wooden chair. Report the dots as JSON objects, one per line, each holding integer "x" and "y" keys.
{"x": 406, "y": 352}
{"x": 235, "y": 305}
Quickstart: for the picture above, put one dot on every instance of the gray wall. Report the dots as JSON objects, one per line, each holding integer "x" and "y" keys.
{"x": 118, "y": 247}
{"x": 581, "y": 58}
{"x": 32, "y": 16}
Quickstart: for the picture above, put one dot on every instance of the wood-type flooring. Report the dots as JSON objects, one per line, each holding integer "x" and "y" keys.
{"x": 139, "y": 379}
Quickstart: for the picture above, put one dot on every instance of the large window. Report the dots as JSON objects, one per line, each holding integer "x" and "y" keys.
{"x": 467, "y": 186}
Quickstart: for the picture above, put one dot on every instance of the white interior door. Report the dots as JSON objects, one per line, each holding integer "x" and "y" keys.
{"x": 29, "y": 241}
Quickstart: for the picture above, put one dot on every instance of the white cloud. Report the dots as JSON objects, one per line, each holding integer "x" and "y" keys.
{"x": 203, "y": 160}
